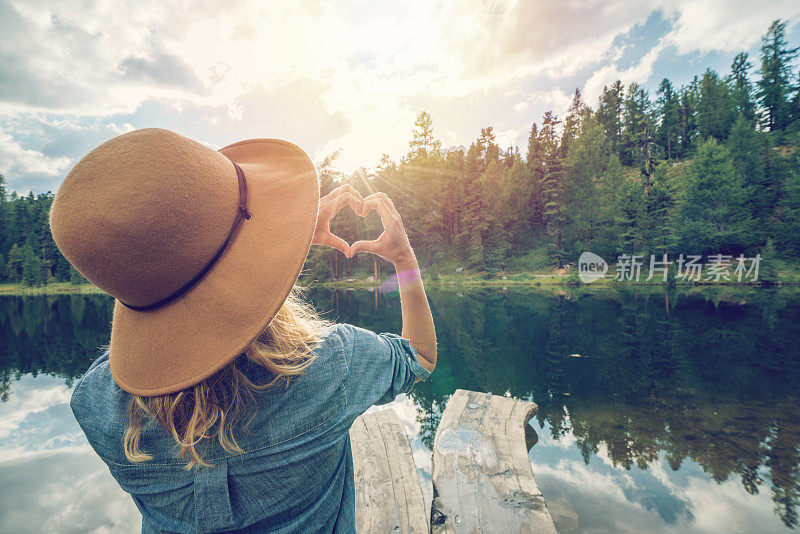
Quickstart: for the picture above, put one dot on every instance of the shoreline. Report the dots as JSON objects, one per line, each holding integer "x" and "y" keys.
{"x": 527, "y": 280}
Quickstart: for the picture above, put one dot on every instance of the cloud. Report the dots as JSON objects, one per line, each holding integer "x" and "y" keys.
{"x": 350, "y": 76}
{"x": 656, "y": 499}
{"x": 26, "y": 75}
{"x": 161, "y": 68}
{"x": 725, "y": 25}
{"x": 640, "y": 72}
{"x": 294, "y": 110}
{"x": 31, "y": 396}
{"x": 497, "y": 42}
{"x": 44, "y": 493}
{"x": 45, "y": 462}
{"x": 48, "y": 144}
{"x": 17, "y": 161}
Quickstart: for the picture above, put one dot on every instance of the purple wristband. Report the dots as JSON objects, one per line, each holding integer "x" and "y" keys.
{"x": 411, "y": 276}
{"x": 406, "y": 279}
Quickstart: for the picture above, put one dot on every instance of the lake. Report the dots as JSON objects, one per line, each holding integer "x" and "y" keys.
{"x": 663, "y": 412}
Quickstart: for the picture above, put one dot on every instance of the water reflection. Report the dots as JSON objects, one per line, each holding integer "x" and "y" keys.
{"x": 646, "y": 379}
{"x": 58, "y": 335}
{"x": 680, "y": 413}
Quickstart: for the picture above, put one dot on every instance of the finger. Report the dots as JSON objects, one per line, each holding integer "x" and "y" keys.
{"x": 347, "y": 197}
{"x": 391, "y": 206}
{"x": 378, "y": 204}
{"x": 334, "y": 196}
{"x": 331, "y": 206}
{"x": 344, "y": 189}
{"x": 334, "y": 241}
{"x": 365, "y": 246}
{"x": 338, "y": 190}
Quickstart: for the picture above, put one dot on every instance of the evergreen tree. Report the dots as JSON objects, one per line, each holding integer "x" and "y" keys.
{"x": 553, "y": 186}
{"x": 716, "y": 110}
{"x": 611, "y": 205}
{"x": 773, "y": 87}
{"x": 31, "y": 269}
{"x": 687, "y": 120}
{"x": 714, "y": 218}
{"x": 5, "y": 220}
{"x": 423, "y": 142}
{"x": 536, "y": 172}
{"x": 489, "y": 150}
{"x": 788, "y": 211}
{"x": 638, "y": 127}
{"x": 741, "y": 88}
{"x": 795, "y": 113}
{"x": 14, "y": 264}
{"x": 534, "y": 149}
{"x": 484, "y": 173}
{"x": 638, "y": 146}
{"x": 77, "y": 278}
{"x": 572, "y": 122}
{"x": 782, "y": 192}
{"x": 667, "y": 106}
{"x": 494, "y": 189}
{"x": 517, "y": 204}
{"x": 586, "y": 163}
{"x": 747, "y": 153}
{"x": 609, "y": 113}
{"x": 660, "y": 210}
{"x": 630, "y": 222}
{"x": 768, "y": 269}
{"x": 475, "y": 223}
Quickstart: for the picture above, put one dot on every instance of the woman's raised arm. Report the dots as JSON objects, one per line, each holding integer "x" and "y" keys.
{"x": 393, "y": 245}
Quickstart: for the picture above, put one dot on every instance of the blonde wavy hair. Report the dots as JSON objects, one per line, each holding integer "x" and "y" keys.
{"x": 215, "y": 407}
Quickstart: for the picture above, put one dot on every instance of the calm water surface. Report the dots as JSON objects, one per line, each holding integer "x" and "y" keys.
{"x": 658, "y": 413}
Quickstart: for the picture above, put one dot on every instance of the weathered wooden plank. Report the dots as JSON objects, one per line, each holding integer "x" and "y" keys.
{"x": 388, "y": 494}
{"x": 482, "y": 477}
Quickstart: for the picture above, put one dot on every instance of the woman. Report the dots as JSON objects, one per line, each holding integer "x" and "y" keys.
{"x": 223, "y": 402}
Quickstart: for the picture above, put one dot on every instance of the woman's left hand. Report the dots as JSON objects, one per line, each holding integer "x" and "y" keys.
{"x": 329, "y": 206}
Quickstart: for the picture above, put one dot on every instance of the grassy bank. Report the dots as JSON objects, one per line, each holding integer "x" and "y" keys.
{"x": 58, "y": 288}
{"x": 780, "y": 275}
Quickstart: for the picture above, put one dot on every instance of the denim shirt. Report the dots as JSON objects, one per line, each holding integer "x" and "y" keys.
{"x": 296, "y": 474}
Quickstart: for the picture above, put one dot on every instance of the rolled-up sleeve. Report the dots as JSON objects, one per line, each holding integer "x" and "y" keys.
{"x": 379, "y": 367}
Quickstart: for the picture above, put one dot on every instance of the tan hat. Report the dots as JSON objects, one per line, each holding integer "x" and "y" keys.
{"x": 200, "y": 248}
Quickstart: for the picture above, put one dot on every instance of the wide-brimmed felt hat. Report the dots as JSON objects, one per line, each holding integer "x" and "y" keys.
{"x": 200, "y": 248}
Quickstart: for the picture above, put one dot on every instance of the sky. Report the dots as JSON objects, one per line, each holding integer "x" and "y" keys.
{"x": 347, "y": 77}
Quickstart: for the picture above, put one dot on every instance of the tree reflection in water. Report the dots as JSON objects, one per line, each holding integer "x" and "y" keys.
{"x": 711, "y": 380}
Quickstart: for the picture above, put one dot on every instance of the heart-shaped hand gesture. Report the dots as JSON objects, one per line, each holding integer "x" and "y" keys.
{"x": 392, "y": 245}
{"x": 329, "y": 206}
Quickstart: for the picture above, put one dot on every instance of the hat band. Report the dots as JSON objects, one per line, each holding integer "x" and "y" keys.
{"x": 241, "y": 214}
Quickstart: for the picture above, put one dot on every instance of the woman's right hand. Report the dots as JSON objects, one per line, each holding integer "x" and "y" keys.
{"x": 392, "y": 245}
{"x": 329, "y": 206}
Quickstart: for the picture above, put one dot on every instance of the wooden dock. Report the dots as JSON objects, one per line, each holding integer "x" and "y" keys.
{"x": 482, "y": 477}
{"x": 388, "y": 494}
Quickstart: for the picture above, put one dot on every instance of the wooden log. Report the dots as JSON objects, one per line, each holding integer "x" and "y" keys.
{"x": 482, "y": 477}
{"x": 388, "y": 494}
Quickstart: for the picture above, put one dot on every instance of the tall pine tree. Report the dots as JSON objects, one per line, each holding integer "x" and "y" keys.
{"x": 741, "y": 88}
{"x": 667, "y": 108}
{"x": 552, "y": 189}
{"x": 774, "y": 87}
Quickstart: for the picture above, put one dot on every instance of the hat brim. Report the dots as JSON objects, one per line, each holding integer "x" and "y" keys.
{"x": 171, "y": 348}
